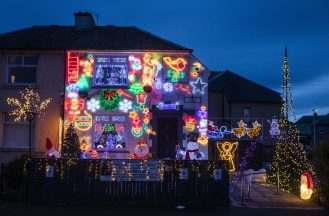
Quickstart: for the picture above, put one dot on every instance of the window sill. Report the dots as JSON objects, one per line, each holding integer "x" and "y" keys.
{"x": 19, "y": 86}
{"x": 6, "y": 149}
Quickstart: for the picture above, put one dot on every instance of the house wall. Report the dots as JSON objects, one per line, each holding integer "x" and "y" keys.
{"x": 50, "y": 83}
{"x": 220, "y": 107}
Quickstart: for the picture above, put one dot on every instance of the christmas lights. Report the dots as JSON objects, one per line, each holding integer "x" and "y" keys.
{"x": 93, "y": 105}
{"x": 125, "y": 105}
{"x": 175, "y": 76}
{"x": 109, "y": 99}
{"x": 274, "y": 131}
{"x": 168, "y": 87}
{"x": 87, "y": 65}
{"x": 73, "y": 91}
{"x": 168, "y": 106}
{"x": 72, "y": 67}
{"x": 241, "y": 130}
{"x": 122, "y": 93}
{"x": 183, "y": 88}
{"x": 226, "y": 150}
{"x": 178, "y": 65}
{"x": 30, "y": 103}
{"x": 136, "y": 88}
{"x": 255, "y": 130}
{"x": 74, "y": 106}
{"x": 195, "y": 72}
{"x": 83, "y": 83}
{"x": 190, "y": 123}
{"x": 135, "y": 62}
{"x": 198, "y": 86}
{"x": 83, "y": 121}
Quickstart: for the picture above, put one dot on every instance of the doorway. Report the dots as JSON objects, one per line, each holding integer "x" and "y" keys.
{"x": 167, "y": 137}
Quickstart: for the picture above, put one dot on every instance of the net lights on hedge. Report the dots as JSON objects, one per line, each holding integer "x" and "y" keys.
{"x": 93, "y": 105}
{"x": 198, "y": 86}
{"x": 226, "y": 152}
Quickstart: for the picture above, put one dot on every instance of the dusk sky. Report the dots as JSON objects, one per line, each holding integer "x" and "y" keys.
{"x": 244, "y": 36}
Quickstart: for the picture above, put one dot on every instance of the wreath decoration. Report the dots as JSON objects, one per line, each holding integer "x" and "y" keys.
{"x": 109, "y": 99}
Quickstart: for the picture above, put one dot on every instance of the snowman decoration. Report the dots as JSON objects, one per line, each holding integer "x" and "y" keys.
{"x": 192, "y": 152}
{"x": 51, "y": 152}
{"x": 141, "y": 151}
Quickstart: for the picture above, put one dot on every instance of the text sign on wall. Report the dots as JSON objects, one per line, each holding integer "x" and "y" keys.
{"x": 132, "y": 170}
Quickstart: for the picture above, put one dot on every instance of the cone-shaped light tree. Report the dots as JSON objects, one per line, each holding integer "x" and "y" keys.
{"x": 289, "y": 159}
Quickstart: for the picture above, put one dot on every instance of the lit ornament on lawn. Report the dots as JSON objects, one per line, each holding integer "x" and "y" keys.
{"x": 226, "y": 152}
{"x": 198, "y": 86}
{"x": 93, "y": 105}
{"x": 125, "y": 105}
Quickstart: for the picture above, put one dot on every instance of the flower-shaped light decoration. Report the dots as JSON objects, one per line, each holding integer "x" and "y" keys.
{"x": 125, "y": 105}
{"x": 93, "y": 105}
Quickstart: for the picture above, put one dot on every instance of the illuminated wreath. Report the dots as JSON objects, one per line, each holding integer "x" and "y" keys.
{"x": 109, "y": 99}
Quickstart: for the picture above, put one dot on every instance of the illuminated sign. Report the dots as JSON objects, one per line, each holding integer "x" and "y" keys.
{"x": 168, "y": 106}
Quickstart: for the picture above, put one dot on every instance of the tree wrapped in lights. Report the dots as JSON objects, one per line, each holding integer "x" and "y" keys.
{"x": 28, "y": 107}
{"x": 71, "y": 145}
{"x": 289, "y": 160}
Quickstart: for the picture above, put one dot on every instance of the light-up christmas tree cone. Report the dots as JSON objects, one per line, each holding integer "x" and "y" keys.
{"x": 289, "y": 159}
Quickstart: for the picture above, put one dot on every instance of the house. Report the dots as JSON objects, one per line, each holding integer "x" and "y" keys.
{"x": 236, "y": 104}
{"x": 305, "y": 127}
{"x": 120, "y": 87}
{"x": 321, "y": 130}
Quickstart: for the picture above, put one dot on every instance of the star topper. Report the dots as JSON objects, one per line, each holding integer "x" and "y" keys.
{"x": 198, "y": 86}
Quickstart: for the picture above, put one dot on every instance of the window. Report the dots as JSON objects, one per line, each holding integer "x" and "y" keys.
{"x": 22, "y": 70}
{"x": 16, "y": 134}
{"x": 246, "y": 114}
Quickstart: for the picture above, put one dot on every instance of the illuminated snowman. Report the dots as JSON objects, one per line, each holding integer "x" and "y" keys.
{"x": 306, "y": 186}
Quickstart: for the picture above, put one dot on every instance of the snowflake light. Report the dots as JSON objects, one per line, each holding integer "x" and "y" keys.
{"x": 168, "y": 87}
{"x": 125, "y": 105}
{"x": 93, "y": 105}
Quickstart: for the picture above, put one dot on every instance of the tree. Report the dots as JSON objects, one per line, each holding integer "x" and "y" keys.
{"x": 71, "y": 145}
{"x": 289, "y": 159}
{"x": 28, "y": 107}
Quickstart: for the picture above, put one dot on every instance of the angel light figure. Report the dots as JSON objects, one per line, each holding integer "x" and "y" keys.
{"x": 227, "y": 150}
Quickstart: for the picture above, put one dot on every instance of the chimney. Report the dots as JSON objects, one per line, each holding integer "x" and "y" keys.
{"x": 84, "y": 21}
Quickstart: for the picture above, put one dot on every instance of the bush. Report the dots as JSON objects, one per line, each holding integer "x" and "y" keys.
{"x": 321, "y": 163}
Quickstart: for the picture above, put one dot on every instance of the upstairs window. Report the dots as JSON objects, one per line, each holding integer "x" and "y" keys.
{"x": 22, "y": 70}
{"x": 246, "y": 115}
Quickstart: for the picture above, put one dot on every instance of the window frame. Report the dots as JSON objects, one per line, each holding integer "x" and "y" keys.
{"x": 8, "y": 66}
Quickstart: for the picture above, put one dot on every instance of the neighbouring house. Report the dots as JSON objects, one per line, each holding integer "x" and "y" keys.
{"x": 235, "y": 105}
{"x": 321, "y": 130}
{"x": 305, "y": 127}
{"x": 121, "y": 87}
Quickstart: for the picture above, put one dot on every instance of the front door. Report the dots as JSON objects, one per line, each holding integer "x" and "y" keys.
{"x": 167, "y": 137}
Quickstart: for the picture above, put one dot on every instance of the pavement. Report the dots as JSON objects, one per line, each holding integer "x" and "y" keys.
{"x": 267, "y": 196}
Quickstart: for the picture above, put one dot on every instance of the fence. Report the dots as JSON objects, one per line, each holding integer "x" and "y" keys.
{"x": 13, "y": 180}
{"x": 174, "y": 182}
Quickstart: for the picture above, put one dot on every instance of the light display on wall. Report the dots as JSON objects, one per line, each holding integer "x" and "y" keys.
{"x": 151, "y": 62}
{"x": 72, "y": 67}
{"x": 168, "y": 106}
{"x": 198, "y": 86}
{"x": 87, "y": 65}
{"x": 203, "y": 139}
{"x": 241, "y": 130}
{"x": 215, "y": 133}
{"x": 203, "y": 125}
{"x": 109, "y": 135}
{"x": 72, "y": 91}
{"x": 125, "y": 105}
{"x": 175, "y": 76}
{"x": 255, "y": 130}
{"x": 190, "y": 123}
{"x": 168, "y": 87}
{"x": 178, "y": 65}
{"x": 93, "y": 105}
{"x": 135, "y": 62}
{"x": 183, "y": 88}
{"x": 136, "y": 129}
{"x": 195, "y": 72}
{"x": 111, "y": 71}
{"x": 74, "y": 106}
{"x": 109, "y": 99}
{"x": 83, "y": 121}
{"x": 274, "y": 131}
{"x": 136, "y": 88}
{"x": 226, "y": 150}
{"x": 83, "y": 83}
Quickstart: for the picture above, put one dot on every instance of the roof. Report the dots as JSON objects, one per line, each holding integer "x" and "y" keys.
{"x": 323, "y": 121}
{"x": 238, "y": 88}
{"x": 99, "y": 38}
{"x": 308, "y": 119}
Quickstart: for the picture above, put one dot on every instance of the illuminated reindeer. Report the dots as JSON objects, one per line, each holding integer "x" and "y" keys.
{"x": 255, "y": 130}
{"x": 241, "y": 130}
